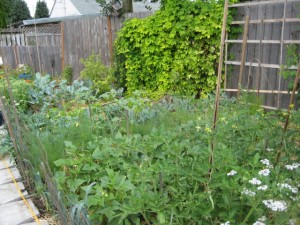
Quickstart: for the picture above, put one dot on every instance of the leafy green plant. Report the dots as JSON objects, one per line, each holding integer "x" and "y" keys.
{"x": 47, "y": 92}
{"x": 98, "y": 73}
{"x": 158, "y": 172}
{"x": 67, "y": 74}
{"x": 292, "y": 59}
{"x": 5, "y": 143}
{"x": 174, "y": 50}
{"x": 20, "y": 90}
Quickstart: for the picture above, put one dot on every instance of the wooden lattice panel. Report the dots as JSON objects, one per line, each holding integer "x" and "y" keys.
{"x": 44, "y": 29}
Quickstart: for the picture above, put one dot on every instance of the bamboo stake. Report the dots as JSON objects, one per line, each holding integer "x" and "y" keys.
{"x": 292, "y": 98}
{"x": 37, "y": 46}
{"x": 62, "y": 28}
{"x": 243, "y": 57}
{"x": 219, "y": 79}
{"x": 291, "y": 106}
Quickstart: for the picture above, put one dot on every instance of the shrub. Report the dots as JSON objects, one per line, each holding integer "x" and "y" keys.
{"x": 98, "y": 73}
{"x": 20, "y": 90}
{"x": 67, "y": 74}
{"x": 175, "y": 50}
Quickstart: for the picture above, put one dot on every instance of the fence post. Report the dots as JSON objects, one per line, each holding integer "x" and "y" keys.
{"x": 243, "y": 56}
{"x": 16, "y": 55}
{"x": 110, "y": 41}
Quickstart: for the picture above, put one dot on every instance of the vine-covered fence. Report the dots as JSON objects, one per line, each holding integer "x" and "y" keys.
{"x": 256, "y": 59}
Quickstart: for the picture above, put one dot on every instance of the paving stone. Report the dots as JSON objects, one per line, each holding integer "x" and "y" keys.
{"x": 16, "y": 213}
{"x": 43, "y": 222}
{"x": 9, "y": 193}
{"x": 9, "y": 162}
{"x": 5, "y": 176}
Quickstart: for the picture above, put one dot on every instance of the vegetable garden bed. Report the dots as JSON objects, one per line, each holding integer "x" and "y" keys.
{"x": 135, "y": 161}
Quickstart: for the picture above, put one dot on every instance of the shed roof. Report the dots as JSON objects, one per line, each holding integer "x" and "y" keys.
{"x": 86, "y": 6}
{"x": 91, "y": 6}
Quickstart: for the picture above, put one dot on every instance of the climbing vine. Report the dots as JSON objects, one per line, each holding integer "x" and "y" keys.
{"x": 174, "y": 50}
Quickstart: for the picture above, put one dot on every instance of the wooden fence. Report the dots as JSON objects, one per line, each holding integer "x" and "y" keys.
{"x": 49, "y": 48}
{"x": 255, "y": 59}
{"x": 40, "y": 58}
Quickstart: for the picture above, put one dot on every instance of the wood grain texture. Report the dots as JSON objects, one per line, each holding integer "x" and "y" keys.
{"x": 267, "y": 49}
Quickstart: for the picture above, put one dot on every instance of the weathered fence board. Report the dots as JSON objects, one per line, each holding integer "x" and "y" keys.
{"x": 43, "y": 44}
{"x": 87, "y": 35}
{"x": 49, "y": 57}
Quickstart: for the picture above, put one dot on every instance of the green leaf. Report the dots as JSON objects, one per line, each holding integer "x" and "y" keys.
{"x": 97, "y": 154}
{"x": 161, "y": 218}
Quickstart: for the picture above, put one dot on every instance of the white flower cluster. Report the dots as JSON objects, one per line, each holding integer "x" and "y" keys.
{"x": 255, "y": 181}
{"x": 275, "y": 205}
{"x": 265, "y": 162}
{"x": 264, "y": 172}
{"x": 269, "y": 149}
{"x": 295, "y": 199}
{"x": 293, "y": 166}
{"x": 232, "y": 173}
{"x": 226, "y": 223}
{"x": 287, "y": 186}
{"x": 262, "y": 219}
{"x": 262, "y": 187}
{"x": 248, "y": 192}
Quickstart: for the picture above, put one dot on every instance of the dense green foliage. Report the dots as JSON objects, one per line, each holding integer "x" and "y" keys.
{"x": 135, "y": 161}
{"x": 67, "y": 74}
{"x": 2, "y": 16}
{"x": 95, "y": 71}
{"x": 292, "y": 60}
{"x": 8, "y": 7}
{"x": 48, "y": 93}
{"x": 20, "y": 11}
{"x": 20, "y": 90}
{"x": 175, "y": 50}
{"x": 131, "y": 161}
{"x": 41, "y": 10}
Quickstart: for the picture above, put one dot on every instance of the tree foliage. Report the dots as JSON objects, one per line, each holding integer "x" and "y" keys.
{"x": 42, "y": 10}
{"x": 2, "y": 16}
{"x": 107, "y": 8}
{"x": 8, "y": 6}
{"x": 175, "y": 50}
{"x": 20, "y": 11}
